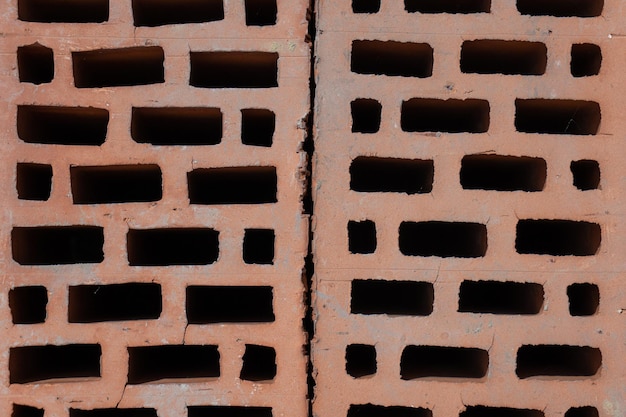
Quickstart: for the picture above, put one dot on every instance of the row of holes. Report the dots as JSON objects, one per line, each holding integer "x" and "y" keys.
{"x": 469, "y": 240}
{"x": 410, "y": 298}
{"x": 372, "y": 410}
{"x": 463, "y": 362}
{"x": 478, "y": 172}
{"x": 556, "y": 8}
{"x": 542, "y": 116}
{"x": 145, "y": 12}
{"x": 143, "y": 183}
{"x": 136, "y": 301}
{"x": 143, "y": 65}
{"x": 145, "y": 364}
{"x": 59, "y": 245}
{"x": 483, "y": 56}
{"x": 192, "y": 411}
{"x": 160, "y": 126}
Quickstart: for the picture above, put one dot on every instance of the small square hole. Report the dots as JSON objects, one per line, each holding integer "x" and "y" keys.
{"x": 34, "y": 181}
{"x": 28, "y": 304}
{"x": 259, "y": 363}
{"x": 261, "y": 12}
{"x": 258, "y": 246}
{"x": 365, "y": 6}
{"x": 366, "y": 115}
{"x": 586, "y": 59}
{"x": 586, "y": 174}
{"x": 362, "y": 236}
{"x": 257, "y": 127}
{"x": 35, "y": 64}
{"x": 584, "y": 299}
{"x": 360, "y": 360}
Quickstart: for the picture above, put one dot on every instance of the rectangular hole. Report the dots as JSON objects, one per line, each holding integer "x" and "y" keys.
{"x": 40, "y": 363}
{"x": 63, "y": 11}
{"x": 485, "y": 411}
{"x": 443, "y": 361}
{"x": 258, "y": 246}
{"x": 232, "y": 304}
{"x": 28, "y": 304}
{"x": 20, "y": 410}
{"x": 55, "y": 125}
{"x": 404, "y": 59}
{"x": 558, "y": 237}
{"x": 172, "y": 246}
{"x": 365, "y": 6}
{"x": 403, "y": 298}
{"x": 557, "y": 360}
{"x": 443, "y": 239}
{"x": 114, "y": 412}
{"x": 35, "y": 63}
{"x": 497, "y": 297}
{"x": 372, "y": 410}
{"x": 261, "y": 12}
{"x": 503, "y": 173}
{"x": 116, "y": 184}
{"x": 449, "y": 116}
{"x": 114, "y": 302}
{"x": 138, "y": 65}
{"x": 155, "y": 363}
{"x": 448, "y": 6}
{"x": 561, "y": 8}
{"x": 233, "y": 185}
{"x": 257, "y": 127}
{"x": 57, "y": 245}
{"x": 558, "y": 117}
{"x": 168, "y": 12}
{"x": 34, "y": 181}
{"x": 176, "y": 126}
{"x": 234, "y": 69}
{"x": 584, "y": 411}
{"x": 366, "y": 115}
{"x": 228, "y": 411}
{"x": 396, "y": 175}
{"x": 493, "y": 56}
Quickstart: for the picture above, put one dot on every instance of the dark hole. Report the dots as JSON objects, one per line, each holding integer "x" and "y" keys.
{"x": 443, "y": 239}
{"x": 63, "y": 11}
{"x": 584, "y": 299}
{"x": 169, "y": 126}
{"x": 405, "y": 298}
{"x": 139, "y": 65}
{"x": 52, "y": 125}
{"x": 57, "y": 245}
{"x": 503, "y": 173}
{"x": 560, "y": 117}
{"x": 586, "y": 59}
{"x": 371, "y": 410}
{"x": 26, "y": 411}
{"x": 443, "y": 361}
{"x": 115, "y": 302}
{"x": 500, "y": 297}
{"x": 228, "y": 411}
{"x": 114, "y": 412}
{"x": 34, "y": 181}
{"x": 116, "y": 184}
{"x": 557, "y": 360}
{"x": 233, "y": 185}
{"x": 362, "y": 236}
{"x": 240, "y": 304}
{"x": 168, "y": 12}
{"x": 558, "y": 237}
{"x": 448, "y": 6}
{"x": 258, "y": 246}
{"x": 490, "y": 56}
{"x": 259, "y": 363}
{"x": 365, "y": 6}
{"x": 374, "y": 174}
{"x": 153, "y": 363}
{"x": 366, "y": 115}
{"x": 35, "y": 64}
{"x": 175, "y": 246}
{"x": 257, "y": 127}
{"x": 28, "y": 304}
{"x": 392, "y": 58}
{"x": 39, "y": 363}
{"x": 586, "y": 411}
{"x": 261, "y": 12}
{"x": 450, "y": 116}
{"x": 360, "y": 360}
{"x": 484, "y": 411}
{"x": 561, "y": 8}
{"x": 234, "y": 69}
{"x": 586, "y": 174}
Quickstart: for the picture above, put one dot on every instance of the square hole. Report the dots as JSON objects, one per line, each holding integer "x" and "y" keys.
{"x": 365, "y": 6}
{"x": 258, "y": 246}
{"x": 586, "y": 59}
{"x": 366, "y": 115}
{"x": 586, "y": 174}
{"x": 261, "y": 12}
{"x": 362, "y": 236}
{"x": 35, "y": 63}
{"x": 34, "y": 181}
{"x": 28, "y": 304}
{"x": 257, "y": 127}
{"x": 360, "y": 360}
{"x": 259, "y": 363}
{"x": 584, "y": 299}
